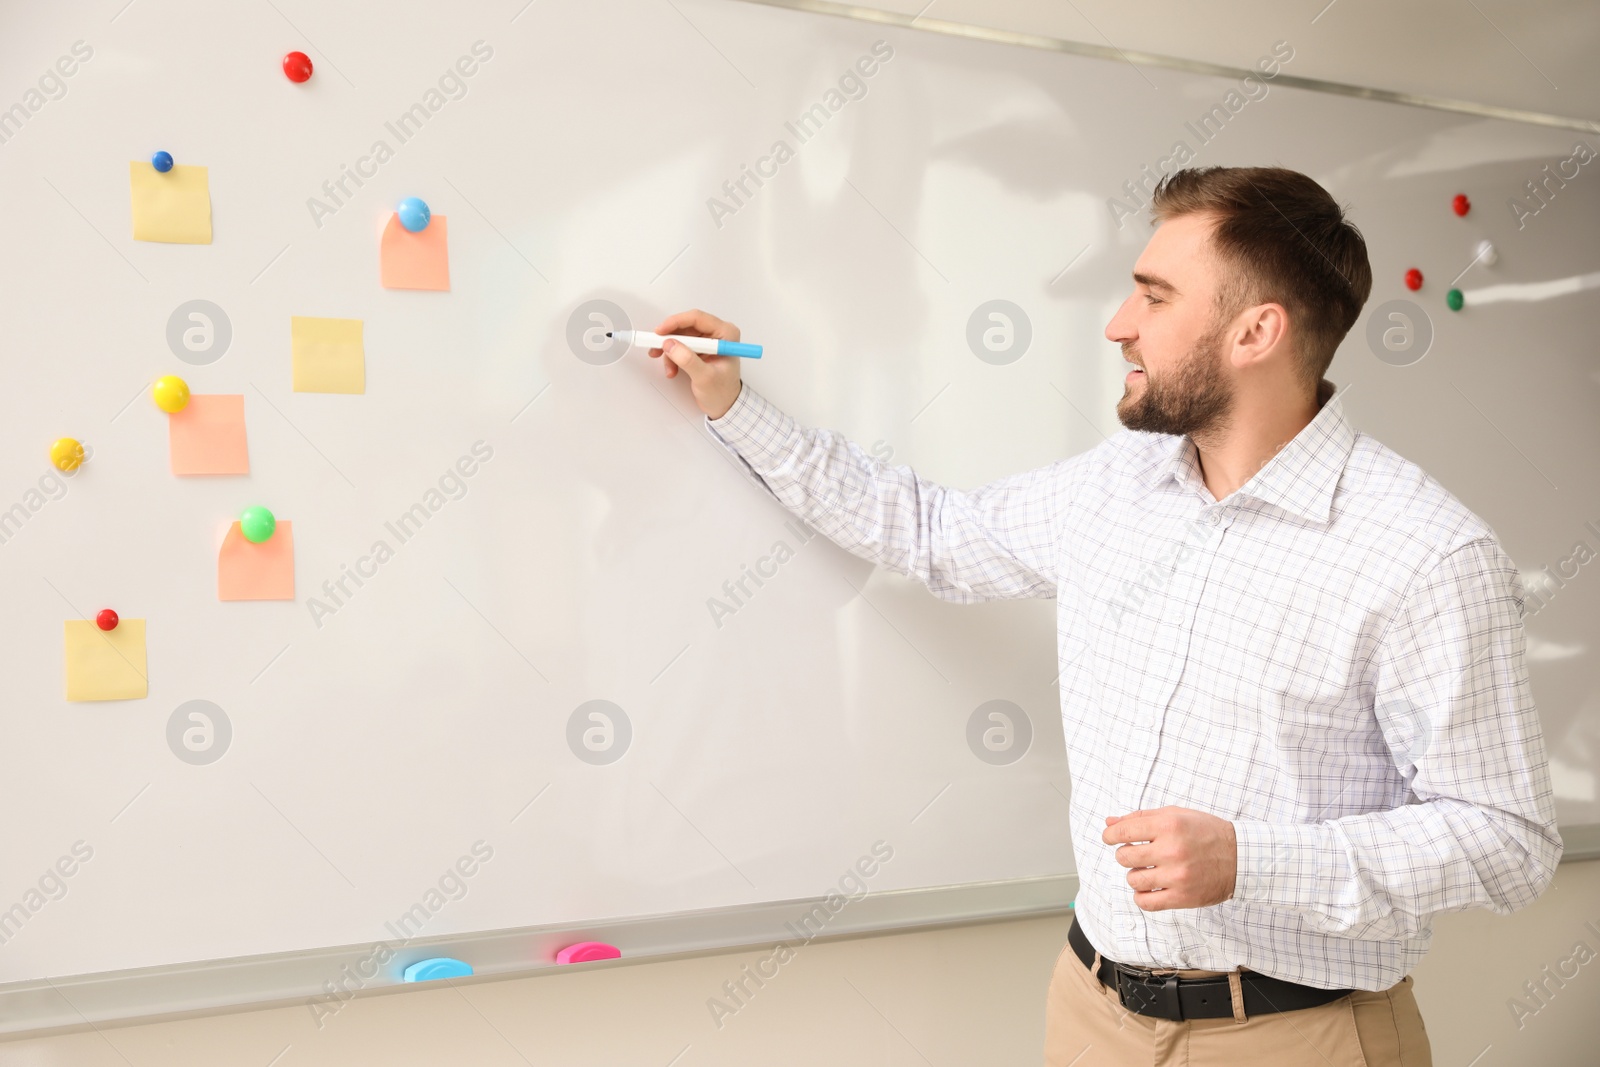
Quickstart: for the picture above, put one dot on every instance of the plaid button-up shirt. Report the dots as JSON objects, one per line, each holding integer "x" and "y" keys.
{"x": 1332, "y": 658}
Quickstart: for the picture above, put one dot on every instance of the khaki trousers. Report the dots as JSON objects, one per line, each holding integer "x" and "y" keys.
{"x": 1086, "y": 1026}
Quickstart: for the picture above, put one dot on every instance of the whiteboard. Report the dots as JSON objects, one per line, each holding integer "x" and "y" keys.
{"x": 425, "y": 721}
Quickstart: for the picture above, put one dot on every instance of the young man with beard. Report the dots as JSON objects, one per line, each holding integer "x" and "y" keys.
{"x": 1293, "y": 686}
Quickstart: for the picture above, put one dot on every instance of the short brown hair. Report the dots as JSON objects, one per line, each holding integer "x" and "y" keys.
{"x": 1287, "y": 241}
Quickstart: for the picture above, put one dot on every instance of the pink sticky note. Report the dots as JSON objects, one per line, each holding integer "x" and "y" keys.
{"x": 264, "y": 571}
{"x": 418, "y": 260}
{"x": 207, "y": 436}
{"x": 588, "y": 951}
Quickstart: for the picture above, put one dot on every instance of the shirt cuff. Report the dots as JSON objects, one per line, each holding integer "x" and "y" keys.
{"x": 1277, "y": 863}
{"x": 756, "y": 430}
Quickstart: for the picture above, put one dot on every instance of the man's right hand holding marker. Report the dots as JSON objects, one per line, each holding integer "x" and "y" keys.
{"x": 714, "y": 380}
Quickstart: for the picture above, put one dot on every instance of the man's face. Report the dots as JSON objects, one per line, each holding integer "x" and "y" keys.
{"x": 1168, "y": 329}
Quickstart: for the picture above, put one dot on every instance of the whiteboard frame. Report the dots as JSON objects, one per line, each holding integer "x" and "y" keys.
{"x": 129, "y": 997}
{"x": 1193, "y": 66}
{"x": 210, "y": 987}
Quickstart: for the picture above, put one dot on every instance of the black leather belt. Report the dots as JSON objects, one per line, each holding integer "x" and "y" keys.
{"x": 1170, "y": 997}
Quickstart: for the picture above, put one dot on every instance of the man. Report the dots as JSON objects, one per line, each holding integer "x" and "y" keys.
{"x": 1293, "y": 685}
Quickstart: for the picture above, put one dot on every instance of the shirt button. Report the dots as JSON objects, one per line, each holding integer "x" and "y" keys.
{"x": 1212, "y": 518}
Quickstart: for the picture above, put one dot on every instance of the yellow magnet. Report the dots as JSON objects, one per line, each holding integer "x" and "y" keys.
{"x": 66, "y": 454}
{"x": 171, "y": 393}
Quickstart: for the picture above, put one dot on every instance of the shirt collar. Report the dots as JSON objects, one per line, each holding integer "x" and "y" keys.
{"x": 1300, "y": 478}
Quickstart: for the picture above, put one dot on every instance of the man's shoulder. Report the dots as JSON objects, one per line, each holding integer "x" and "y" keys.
{"x": 1125, "y": 454}
{"x": 1119, "y": 467}
{"x": 1379, "y": 486}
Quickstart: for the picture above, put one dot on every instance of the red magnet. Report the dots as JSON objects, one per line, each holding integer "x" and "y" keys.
{"x": 106, "y": 620}
{"x": 1461, "y": 205}
{"x": 297, "y": 65}
{"x": 1413, "y": 279}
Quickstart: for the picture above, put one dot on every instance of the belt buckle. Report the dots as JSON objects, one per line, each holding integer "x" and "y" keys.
{"x": 1144, "y": 993}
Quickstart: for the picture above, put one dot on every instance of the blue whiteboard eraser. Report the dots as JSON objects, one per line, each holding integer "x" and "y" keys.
{"x": 438, "y": 967}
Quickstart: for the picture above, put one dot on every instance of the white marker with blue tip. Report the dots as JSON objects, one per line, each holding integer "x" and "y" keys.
{"x": 706, "y": 346}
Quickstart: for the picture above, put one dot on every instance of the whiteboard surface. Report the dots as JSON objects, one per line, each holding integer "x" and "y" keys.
{"x": 430, "y": 711}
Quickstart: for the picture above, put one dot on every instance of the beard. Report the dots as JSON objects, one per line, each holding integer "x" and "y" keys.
{"x": 1193, "y": 398}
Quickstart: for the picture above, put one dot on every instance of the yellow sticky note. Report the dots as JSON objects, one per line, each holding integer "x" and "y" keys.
{"x": 420, "y": 260}
{"x": 174, "y": 207}
{"x": 265, "y": 571}
{"x": 328, "y": 355}
{"x": 105, "y": 664}
{"x": 207, "y": 436}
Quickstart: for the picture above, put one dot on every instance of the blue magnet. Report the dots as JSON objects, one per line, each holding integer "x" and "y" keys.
{"x": 438, "y": 967}
{"x": 162, "y": 161}
{"x": 414, "y": 214}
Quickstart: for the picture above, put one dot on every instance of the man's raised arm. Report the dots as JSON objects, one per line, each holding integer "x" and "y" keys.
{"x": 997, "y": 541}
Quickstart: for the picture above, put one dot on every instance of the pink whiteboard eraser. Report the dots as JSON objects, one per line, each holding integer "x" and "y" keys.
{"x": 587, "y": 951}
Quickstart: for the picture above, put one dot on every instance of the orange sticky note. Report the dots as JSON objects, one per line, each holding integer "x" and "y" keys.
{"x": 418, "y": 260}
{"x": 207, "y": 436}
{"x": 264, "y": 571}
{"x": 105, "y": 664}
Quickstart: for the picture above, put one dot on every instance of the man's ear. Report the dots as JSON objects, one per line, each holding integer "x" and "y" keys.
{"x": 1260, "y": 331}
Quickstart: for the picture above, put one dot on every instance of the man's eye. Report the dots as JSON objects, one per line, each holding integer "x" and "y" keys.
{"x": 1152, "y": 299}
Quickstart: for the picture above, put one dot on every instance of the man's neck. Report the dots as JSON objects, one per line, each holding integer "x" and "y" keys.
{"x": 1253, "y": 432}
